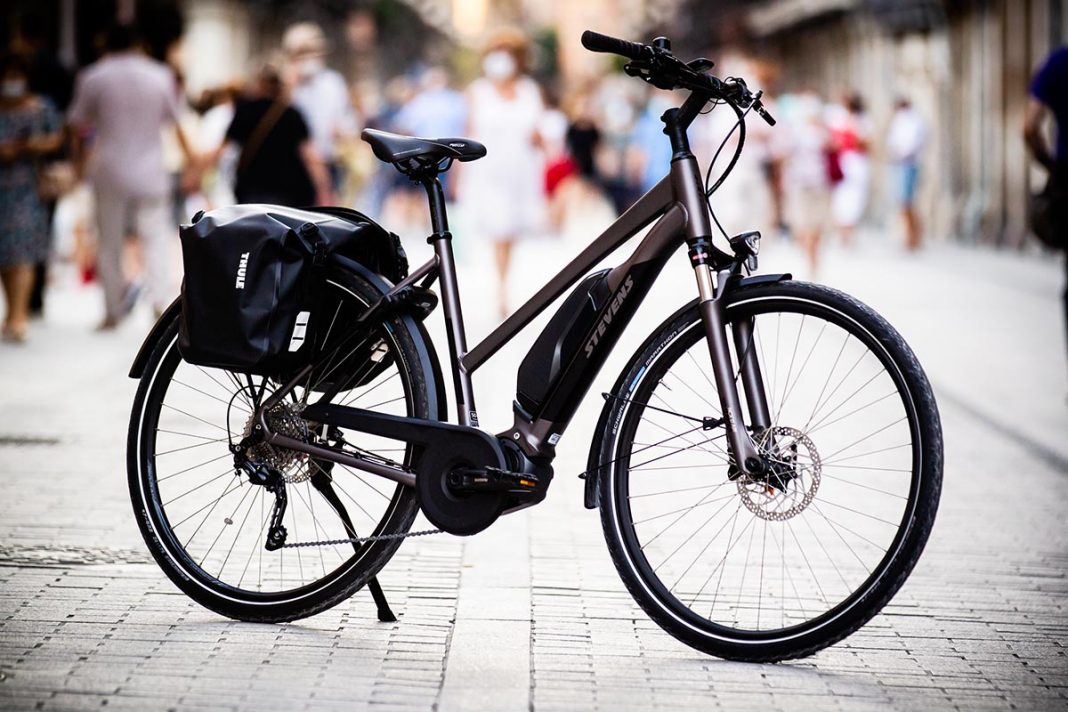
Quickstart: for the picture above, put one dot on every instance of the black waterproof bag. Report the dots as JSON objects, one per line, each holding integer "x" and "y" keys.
{"x": 253, "y": 296}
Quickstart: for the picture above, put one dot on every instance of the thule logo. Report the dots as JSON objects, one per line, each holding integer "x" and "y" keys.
{"x": 300, "y": 328}
{"x": 242, "y": 266}
{"x": 610, "y": 314}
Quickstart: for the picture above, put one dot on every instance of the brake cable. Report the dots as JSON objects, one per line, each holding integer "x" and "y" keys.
{"x": 739, "y": 126}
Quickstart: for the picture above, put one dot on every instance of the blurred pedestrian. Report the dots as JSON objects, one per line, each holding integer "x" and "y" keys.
{"x": 650, "y": 149}
{"x": 219, "y": 107}
{"x": 504, "y": 190}
{"x": 54, "y": 82}
{"x": 1049, "y": 97}
{"x": 320, "y": 94}
{"x": 122, "y": 103}
{"x": 436, "y": 110}
{"x": 807, "y": 174}
{"x": 29, "y": 128}
{"x": 905, "y": 141}
{"x": 278, "y": 162}
{"x": 851, "y": 136}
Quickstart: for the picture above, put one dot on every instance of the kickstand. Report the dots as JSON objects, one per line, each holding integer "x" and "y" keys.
{"x": 321, "y": 481}
{"x": 385, "y": 615}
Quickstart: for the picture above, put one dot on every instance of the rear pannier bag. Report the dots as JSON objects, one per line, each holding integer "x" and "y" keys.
{"x": 253, "y": 297}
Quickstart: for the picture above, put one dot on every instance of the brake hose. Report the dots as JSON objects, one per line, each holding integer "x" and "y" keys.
{"x": 739, "y": 126}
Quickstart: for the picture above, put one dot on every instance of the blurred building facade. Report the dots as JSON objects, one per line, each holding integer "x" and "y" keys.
{"x": 966, "y": 64}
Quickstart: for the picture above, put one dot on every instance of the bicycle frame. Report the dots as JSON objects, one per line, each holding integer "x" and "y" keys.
{"x": 677, "y": 205}
{"x": 678, "y": 213}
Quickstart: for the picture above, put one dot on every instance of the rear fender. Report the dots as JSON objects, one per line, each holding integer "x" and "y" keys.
{"x": 600, "y": 456}
{"x": 154, "y": 335}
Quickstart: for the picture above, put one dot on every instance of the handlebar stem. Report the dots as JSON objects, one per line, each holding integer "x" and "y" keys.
{"x": 677, "y": 122}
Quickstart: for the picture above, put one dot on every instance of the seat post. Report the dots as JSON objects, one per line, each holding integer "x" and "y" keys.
{"x": 441, "y": 239}
{"x": 439, "y": 220}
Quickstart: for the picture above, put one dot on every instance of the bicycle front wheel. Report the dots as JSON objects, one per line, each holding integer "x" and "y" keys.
{"x": 776, "y": 567}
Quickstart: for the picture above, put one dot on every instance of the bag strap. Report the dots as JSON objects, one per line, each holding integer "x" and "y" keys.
{"x": 260, "y": 133}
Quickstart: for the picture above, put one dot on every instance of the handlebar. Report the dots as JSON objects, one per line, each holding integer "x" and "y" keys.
{"x": 596, "y": 42}
{"x": 656, "y": 65}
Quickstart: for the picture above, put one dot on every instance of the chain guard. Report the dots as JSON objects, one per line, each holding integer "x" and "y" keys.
{"x": 459, "y": 513}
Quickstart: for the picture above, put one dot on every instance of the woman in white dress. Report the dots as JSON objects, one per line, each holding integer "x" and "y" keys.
{"x": 503, "y": 192}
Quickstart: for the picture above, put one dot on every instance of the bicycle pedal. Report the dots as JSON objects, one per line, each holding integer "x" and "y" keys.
{"x": 492, "y": 479}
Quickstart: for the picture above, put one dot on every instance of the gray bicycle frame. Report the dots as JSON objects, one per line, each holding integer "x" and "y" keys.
{"x": 677, "y": 204}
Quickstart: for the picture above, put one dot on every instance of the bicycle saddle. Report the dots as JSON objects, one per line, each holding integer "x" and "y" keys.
{"x": 394, "y": 148}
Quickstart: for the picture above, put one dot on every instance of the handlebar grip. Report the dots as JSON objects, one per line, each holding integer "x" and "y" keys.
{"x": 596, "y": 42}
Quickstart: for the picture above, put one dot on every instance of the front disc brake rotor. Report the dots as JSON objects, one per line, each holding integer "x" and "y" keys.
{"x": 796, "y": 466}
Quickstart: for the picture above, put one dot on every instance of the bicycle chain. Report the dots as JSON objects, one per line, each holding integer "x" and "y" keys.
{"x": 361, "y": 540}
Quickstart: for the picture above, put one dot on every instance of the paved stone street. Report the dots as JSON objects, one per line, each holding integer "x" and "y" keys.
{"x": 531, "y": 613}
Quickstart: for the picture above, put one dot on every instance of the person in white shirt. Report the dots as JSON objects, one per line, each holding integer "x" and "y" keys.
{"x": 123, "y": 101}
{"x": 905, "y": 142}
{"x": 320, "y": 94}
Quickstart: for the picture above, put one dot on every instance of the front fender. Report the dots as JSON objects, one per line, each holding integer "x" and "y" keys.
{"x": 599, "y": 460}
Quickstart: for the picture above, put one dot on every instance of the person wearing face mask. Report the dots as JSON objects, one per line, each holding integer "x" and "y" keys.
{"x": 29, "y": 128}
{"x": 319, "y": 94}
{"x": 504, "y": 190}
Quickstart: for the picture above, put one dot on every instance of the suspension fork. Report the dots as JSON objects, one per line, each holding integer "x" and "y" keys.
{"x": 749, "y": 371}
{"x": 711, "y": 306}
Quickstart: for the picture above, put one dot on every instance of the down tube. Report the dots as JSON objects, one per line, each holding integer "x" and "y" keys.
{"x": 629, "y": 283}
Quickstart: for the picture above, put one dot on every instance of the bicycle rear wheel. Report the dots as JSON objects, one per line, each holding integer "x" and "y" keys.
{"x": 778, "y": 567}
{"x": 206, "y": 524}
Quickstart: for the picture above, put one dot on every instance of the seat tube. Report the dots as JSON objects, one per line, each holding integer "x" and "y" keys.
{"x": 441, "y": 239}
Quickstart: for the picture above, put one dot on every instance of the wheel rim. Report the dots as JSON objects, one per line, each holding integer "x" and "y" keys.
{"x": 213, "y": 524}
{"x": 674, "y": 549}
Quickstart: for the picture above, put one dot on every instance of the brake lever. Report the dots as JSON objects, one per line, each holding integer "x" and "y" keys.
{"x": 758, "y": 106}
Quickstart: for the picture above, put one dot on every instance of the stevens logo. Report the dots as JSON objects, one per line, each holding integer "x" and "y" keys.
{"x": 610, "y": 314}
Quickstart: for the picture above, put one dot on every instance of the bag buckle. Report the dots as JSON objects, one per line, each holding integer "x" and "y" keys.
{"x": 310, "y": 231}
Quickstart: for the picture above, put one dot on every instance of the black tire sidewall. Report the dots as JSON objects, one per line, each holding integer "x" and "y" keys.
{"x": 201, "y": 586}
{"x": 856, "y": 610}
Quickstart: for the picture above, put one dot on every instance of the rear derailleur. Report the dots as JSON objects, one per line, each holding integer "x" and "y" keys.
{"x": 275, "y": 483}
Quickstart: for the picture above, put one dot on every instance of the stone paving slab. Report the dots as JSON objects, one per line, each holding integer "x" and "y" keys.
{"x": 531, "y": 614}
